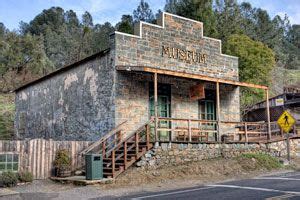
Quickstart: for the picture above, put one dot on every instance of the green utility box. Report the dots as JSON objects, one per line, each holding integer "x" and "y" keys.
{"x": 93, "y": 167}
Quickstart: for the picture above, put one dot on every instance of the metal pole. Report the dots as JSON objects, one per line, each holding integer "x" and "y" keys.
{"x": 288, "y": 147}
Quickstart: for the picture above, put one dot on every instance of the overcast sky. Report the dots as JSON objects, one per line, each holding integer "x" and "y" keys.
{"x": 13, "y": 11}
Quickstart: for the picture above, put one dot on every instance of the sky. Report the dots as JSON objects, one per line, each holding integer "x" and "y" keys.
{"x": 14, "y": 11}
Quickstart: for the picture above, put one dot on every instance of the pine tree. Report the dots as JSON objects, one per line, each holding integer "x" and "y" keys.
{"x": 126, "y": 24}
{"x": 200, "y": 10}
{"x": 143, "y": 13}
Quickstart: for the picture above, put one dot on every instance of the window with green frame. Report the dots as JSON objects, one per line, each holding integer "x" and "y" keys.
{"x": 9, "y": 162}
{"x": 207, "y": 110}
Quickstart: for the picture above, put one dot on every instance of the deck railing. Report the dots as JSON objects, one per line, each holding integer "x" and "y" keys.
{"x": 197, "y": 131}
{"x": 186, "y": 130}
{"x": 252, "y": 131}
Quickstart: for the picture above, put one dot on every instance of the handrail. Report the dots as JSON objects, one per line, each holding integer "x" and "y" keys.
{"x": 104, "y": 138}
{"x": 183, "y": 119}
{"x": 129, "y": 136}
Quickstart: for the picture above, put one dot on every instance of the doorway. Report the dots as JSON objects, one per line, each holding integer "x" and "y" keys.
{"x": 207, "y": 111}
{"x": 164, "y": 106}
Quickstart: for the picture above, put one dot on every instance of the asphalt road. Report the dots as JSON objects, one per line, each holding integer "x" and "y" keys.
{"x": 283, "y": 186}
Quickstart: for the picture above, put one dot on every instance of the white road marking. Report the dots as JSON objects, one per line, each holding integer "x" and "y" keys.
{"x": 255, "y": 188}
{"x": 278, "y": 178}
{"x": 171, "y": 193}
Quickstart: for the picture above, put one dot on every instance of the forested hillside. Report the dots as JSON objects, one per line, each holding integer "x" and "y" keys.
{"x": 268, "y": 48}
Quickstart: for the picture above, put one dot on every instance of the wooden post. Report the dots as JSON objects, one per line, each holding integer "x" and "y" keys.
{"x": 104, "y": 149}
{"x": 119, "y": 136}
{"x": 148, "y": 136}
{"x": 190, "y": 130}
{"x": 218, "y": 111}
{"x": 155, "y": 107}
{"x": 125, "y": 155}
{"x": 268, "y": 114}
{"x": 170, "y": 132}
{"x": 246, "y": 132}
{"x": 113, "y": 164}
{"x": 136, "y": 143}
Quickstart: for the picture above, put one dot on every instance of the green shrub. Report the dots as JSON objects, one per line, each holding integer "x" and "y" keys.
{"x": 262, "y": 160}
{"x": 25, "y": 176}
{"x": 8, "y": 179}
{"x": 62, "y": 160}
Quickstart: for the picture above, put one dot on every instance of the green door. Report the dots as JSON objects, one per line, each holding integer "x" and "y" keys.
{"x": 207, "y": 111}
{"x": 163, "y": 109}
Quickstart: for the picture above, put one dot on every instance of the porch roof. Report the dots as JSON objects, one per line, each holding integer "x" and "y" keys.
{"x": 188, "y": 75}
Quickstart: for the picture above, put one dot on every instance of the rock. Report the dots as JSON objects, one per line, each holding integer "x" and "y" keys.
{"x": 141, "y": 163}
{"x": 152, "y": 162}
{"x": 164, "y": 146}
{"x": 155, "y": 173}
{"x": 285, "y": 162}
{"x": 78, "y": 172}
{"x": 148, "y": 155}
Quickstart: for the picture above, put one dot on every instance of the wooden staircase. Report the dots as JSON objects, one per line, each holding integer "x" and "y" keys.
{"x": 121, "y": 152}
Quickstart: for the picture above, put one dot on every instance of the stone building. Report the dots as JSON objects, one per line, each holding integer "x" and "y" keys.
{"x": 170, "y": 63}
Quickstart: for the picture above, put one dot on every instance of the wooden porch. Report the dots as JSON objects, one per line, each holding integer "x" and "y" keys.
{"x": 199, "y": 130}
{"x": 206, "y": 131}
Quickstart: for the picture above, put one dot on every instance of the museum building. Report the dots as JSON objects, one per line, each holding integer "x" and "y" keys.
{"x": 168, "y": 72}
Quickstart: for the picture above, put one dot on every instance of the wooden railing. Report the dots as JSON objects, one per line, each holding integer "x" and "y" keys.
{"x": 127, "y": 150}
{"x": 108, "y": 141}
{"x": 252, "y": 131}
{"x": 186, "y": 130}
{"x": 196, "y": 130}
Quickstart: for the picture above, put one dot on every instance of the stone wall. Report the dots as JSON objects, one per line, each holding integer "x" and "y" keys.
{"x": 76, "y": 104}
{"x": 132, "y": 100}
{"x": 145, "y": 48}
{"x": 174, "y": 154}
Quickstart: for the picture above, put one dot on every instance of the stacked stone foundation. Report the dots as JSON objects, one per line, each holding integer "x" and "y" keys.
{"x": 174, "y": 154}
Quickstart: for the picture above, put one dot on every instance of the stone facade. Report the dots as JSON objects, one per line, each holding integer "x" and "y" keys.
{"x": 145, "y": 48}
{"x": 86, "y": 100}
{"x": 77, "y": 104}
{"x": 132, "y": 100}
{"x": 175, "y": 154}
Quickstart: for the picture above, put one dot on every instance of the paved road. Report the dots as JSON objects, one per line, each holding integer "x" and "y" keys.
{"x": 283, "y": 186}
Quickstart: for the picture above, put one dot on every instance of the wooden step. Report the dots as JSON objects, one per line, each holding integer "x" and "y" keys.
{"x": 116, "y": 168}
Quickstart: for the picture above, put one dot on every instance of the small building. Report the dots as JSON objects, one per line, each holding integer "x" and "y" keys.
{"x": 289, "y": 100}
{"x": 168, "y": 70}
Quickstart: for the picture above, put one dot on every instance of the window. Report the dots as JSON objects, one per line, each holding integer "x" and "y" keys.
{"x": 9, "y": 162}
{"x": 207, "y": 110}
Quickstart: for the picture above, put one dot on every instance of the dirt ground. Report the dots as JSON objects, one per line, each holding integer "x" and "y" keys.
{"x": 136, "y": 180}
{"x": 192, "y": 174}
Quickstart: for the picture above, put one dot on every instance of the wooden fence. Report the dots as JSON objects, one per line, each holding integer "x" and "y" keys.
{"x": 37, "y": 155}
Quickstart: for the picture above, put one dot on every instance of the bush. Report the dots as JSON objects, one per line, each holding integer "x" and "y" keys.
{"x": 62, "y": 160}
{"x": 25, "y": 177}
{"x": 8, "y": 179}
{"x": 261, "y": 160}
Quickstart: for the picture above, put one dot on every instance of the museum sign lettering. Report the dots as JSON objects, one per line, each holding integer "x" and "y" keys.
{"x": 183, "y": 55}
